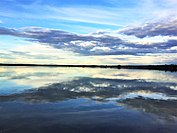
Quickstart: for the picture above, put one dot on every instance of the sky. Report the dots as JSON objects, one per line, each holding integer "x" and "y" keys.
{"x": 88, "y": 31}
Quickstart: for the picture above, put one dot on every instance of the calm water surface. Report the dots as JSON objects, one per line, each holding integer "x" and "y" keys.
{"x": 85, "y": 100}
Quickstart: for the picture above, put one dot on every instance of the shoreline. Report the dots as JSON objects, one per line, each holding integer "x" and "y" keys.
{"x": 172, "y": 68}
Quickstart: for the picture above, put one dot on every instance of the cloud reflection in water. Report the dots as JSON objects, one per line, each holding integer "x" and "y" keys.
{"x": 92, "y": 95}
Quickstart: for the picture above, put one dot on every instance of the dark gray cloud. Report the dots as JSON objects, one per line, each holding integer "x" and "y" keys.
{"x": 159, "y": 28}
{"x": 6, "y": 31}
{"x": 94, "y": 44}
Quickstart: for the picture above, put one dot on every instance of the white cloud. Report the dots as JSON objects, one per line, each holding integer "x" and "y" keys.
{"x": 84, "y": 43}
{"x": 104, "y": 49}
{"x": 148, "y": 40}
{"x": 173, "y": 48}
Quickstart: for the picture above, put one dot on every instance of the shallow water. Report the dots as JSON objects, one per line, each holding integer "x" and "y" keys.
{"x": 74, "y": 100}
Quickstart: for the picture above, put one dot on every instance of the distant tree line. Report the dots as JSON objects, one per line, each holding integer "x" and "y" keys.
{"x": 165, "y": 67}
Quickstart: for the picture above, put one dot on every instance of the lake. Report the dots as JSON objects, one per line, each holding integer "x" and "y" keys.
{"x": 87, "y": 100}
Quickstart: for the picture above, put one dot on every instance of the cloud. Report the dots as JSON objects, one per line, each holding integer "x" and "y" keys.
{"x": 102, "y": 43}
{"x": 165, "y": 27}
{"x": 101, "y": 49}
{"x": 121, "y": 13}
{"x": 73, "y": 14}
{"x": 6, "y": 31}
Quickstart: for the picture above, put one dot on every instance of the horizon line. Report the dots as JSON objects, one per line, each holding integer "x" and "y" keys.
{"x": 165, "y": 67}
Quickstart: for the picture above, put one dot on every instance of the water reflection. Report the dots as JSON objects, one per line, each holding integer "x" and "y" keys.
{"x": 87, "y": 100}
